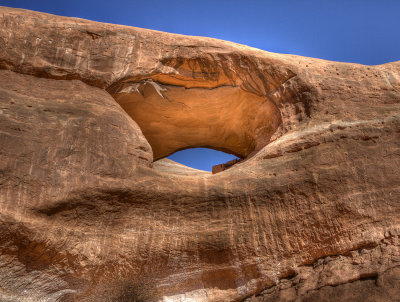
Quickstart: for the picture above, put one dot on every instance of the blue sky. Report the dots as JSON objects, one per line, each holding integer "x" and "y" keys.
{"x": 365, "y": 32}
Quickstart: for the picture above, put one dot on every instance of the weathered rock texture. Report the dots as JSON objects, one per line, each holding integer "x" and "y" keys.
{"x": 312, "y": 213}
{"x": 222, "y": 167}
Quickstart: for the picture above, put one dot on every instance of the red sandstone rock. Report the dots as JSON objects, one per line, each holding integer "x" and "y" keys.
{"x": 312, "y": 214}
{"x": 222, "y": 167}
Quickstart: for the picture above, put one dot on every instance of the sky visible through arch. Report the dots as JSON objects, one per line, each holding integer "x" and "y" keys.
{"x": 357, "y": 31}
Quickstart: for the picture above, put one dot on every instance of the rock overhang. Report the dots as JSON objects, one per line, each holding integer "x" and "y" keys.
{"x": 219, "y": 100}
{"x": 173, "y": 118}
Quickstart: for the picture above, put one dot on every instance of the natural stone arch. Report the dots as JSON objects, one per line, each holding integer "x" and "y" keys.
{"x": 82, "y": 209}
{"x": 172, "y": 118}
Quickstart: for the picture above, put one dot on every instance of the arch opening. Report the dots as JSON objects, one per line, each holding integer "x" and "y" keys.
{"x": 202, "y": 158}
{"x": 174, "y": 118}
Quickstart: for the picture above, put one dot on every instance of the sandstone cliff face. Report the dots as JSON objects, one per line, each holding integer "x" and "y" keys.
{"x": 312, "y": 212}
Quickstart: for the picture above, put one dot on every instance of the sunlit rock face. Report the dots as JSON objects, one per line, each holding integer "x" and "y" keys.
{"x": 311, "y": 213}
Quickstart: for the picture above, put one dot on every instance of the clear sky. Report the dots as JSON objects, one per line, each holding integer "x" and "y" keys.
{"x": 358, "y": 31}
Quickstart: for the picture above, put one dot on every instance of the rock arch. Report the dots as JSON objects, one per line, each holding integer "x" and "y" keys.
{"x": 172, "y": 118}
{"x": 82, "y": 209}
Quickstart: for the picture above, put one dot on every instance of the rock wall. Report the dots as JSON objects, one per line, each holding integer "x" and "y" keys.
{"x": 312, "y": 212}
{"x": 222, "y": 167}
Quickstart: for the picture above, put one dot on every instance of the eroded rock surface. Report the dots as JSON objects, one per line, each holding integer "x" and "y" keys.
{"x": 85, "y": 109}
{"x": 224, "y": 166}
{"x": 371, "y": 274}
